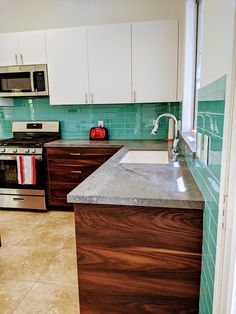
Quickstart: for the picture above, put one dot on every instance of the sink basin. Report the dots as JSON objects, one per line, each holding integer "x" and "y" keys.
{"x": 145, "y": 157}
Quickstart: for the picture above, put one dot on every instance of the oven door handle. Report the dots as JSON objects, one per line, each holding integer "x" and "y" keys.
{"x": 13, "y": 157}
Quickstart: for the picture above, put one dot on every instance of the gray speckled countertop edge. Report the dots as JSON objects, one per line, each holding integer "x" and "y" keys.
{"x": 137, "y": 202}
{"x": 139, "y": 179}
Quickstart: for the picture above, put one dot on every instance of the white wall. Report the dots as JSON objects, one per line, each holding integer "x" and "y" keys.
{"x": 217, "y": 39}
{"x": 21, "y": 15}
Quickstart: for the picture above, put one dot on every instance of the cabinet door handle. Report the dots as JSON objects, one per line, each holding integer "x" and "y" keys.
{"x": 86, "y": 98}
{"x": 75, "y": 154}
{"x": 91, "y": 98}
{"x": 135, "y": 96}
{"x": 76, "y": 171}
{"x": 21, "y": 58}
{"x": 16, "y": 58}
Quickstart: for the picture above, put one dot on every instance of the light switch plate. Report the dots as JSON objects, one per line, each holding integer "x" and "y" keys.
{"x": 205, "y": 150}
{"x": 100, "y": 123}
{"x": 199, "y": 145}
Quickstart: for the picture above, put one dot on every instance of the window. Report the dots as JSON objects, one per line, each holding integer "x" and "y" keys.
{"x": 192, "y": 63}
{"x": 198, "y": 59}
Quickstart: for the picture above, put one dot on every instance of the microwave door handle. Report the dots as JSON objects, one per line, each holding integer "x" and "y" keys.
{"x": 32, "y": 81}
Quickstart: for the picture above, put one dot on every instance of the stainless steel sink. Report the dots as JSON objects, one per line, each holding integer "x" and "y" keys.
{"x": 145, "y": 157}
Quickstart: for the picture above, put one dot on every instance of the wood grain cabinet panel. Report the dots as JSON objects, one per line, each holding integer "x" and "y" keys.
{"x": 70, "y": 174}
{"x": 81, "y": 152}
{"x": 138, "y": 259}
{"x": 67, "y": 167}
{"x": 80, "y": 162}
{"x": 57, "y": 193}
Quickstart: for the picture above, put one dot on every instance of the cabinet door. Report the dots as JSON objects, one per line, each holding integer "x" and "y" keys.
{"x": 67, "y": 66}
{"x": 32, "y": 48}
{"x": 8, "y": 49}
{"x": 155, "y": 60}
{"x": 109, "y": 48}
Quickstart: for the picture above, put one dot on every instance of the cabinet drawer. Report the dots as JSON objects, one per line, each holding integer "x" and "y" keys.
{"x": 81, "y": 162}
{"x": 69, "y": 174}
{"x": 57, "y": 193}
{"x": 80, "y": 153}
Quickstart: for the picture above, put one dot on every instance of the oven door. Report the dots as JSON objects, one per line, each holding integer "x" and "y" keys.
{"x": 8, "y": 174}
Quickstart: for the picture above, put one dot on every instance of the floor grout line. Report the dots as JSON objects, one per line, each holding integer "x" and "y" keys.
{"x": 24, "y": 297}
{"x": 16, "y": 247}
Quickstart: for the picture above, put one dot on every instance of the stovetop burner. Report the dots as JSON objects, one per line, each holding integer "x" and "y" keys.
{"x": 29, "y": 137}
{"x": 27, "y": 141}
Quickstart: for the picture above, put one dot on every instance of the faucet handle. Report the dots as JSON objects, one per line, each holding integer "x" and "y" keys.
{"x": 175, "y": 143}
{"x": 175, "y": 156}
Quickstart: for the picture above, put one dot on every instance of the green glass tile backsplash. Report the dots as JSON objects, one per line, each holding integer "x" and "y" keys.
{"x": 123, "y": 121}
{"x": 210, "y": 121}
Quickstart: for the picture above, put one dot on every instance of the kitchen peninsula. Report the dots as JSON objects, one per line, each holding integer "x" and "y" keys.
{"x": 138, "y": 233}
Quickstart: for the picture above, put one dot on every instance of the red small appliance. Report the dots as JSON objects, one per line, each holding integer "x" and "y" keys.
{"x": 98, "y": 133}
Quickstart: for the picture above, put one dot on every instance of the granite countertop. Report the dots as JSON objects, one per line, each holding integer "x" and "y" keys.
{"x": 154, "y": 185}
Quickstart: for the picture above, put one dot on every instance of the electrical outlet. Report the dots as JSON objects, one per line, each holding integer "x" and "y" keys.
{"x": 100, "y": 123}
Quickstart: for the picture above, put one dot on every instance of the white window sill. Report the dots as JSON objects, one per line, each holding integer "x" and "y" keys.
{"x": 189, "y": 140}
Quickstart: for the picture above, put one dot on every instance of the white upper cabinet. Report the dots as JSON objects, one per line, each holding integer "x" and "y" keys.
{"x": 109, "y": 51}
{"x": 105, "y": 64}
{"x": 22, "y": 48}
{"x": 32, "y": 47}
{"x": 67, "y": 66}
{"x": 154, "y": 61}
{"x": 8, "y": 49}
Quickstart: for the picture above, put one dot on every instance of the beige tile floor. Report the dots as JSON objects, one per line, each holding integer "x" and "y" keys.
{"x": 38, "y": 271}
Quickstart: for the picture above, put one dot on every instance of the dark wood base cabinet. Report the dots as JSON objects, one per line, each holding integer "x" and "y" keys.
{"x": 135, "y": 260}
{"x": 67, "y": 167}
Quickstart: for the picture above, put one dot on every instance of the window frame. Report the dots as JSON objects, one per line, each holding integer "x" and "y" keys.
{"x": 198, "y": 60}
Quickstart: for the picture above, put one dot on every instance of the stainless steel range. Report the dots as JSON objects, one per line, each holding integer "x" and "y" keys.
{"x": 28, "y": 139}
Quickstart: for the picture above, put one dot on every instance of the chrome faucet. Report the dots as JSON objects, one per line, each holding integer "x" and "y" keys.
{"x": 176, "y": 139}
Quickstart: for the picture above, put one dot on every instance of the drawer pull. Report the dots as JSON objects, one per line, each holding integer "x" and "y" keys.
{"x": 18, "y": 199}
{"x": 75, "y": 154}
{"x": 76, "y": 171}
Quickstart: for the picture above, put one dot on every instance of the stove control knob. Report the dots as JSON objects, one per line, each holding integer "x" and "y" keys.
{"x": 14, "y": 150}
{"x": 2, "y": 150}
{"x": 26, "y": 150}
{"x": 33, "y": 150}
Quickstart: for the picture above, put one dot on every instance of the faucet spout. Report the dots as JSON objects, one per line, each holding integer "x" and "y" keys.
{"x": 176, "y": 139}
{"x": 165, "y": 115}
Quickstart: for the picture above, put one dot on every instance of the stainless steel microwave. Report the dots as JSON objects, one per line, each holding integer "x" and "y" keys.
{"x": 25, "y": 80}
